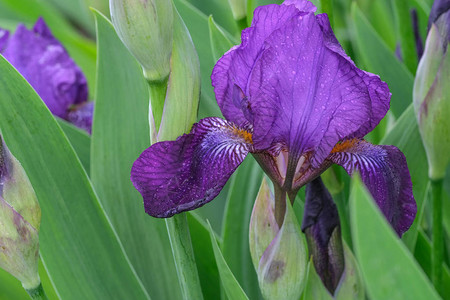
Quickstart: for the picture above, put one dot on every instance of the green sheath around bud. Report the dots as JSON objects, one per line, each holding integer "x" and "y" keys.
{"x": 183, "y": 87}
{"x": 239, "y": 9}
{"x": 431, "y": 97}
{"x": 145, "y": 27}
{"x": 279, "y": 255}
{"x": 350, "y": 286}
{"x": 20, "y": 217}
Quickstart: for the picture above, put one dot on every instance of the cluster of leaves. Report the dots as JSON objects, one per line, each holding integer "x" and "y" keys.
{"x": 97, "y": 242}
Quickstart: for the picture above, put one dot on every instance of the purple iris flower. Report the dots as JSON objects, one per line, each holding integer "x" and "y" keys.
{"x": 293, "y": 98}
{"x": 47, "y": 66}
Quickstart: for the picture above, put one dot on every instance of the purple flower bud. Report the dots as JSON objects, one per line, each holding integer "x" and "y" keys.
{"x": 323, "y": 234}
{"x": 46, "y": 65}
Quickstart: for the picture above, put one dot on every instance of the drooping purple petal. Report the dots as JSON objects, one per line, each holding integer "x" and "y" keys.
{"x": 181, "y": 175}
{"x": 81, "y": 116}
{"x": 385, "y": 172}
{"x": 47, "y": 66}
{"x": 231, "y": 73}
{"x": 305, "y": 95}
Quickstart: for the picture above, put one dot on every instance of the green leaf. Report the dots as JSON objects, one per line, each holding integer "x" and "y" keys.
{"x": 79, "y": 248}
{"x": 314, "y": 288}
{"x": 10, "y": 287}
{"x": 423, "y": 256}
{"x": 204, "y": 257}
{"x": 405, "y": 135}
{"x": 197, "y": 23}
{"x": 379, "y": 59}
{"x": 219, "y": 9}
{"x": 235, "y": 229}
{"x": 405, "y": 34}
{"x": 388, "y": 268}
{"x": 81, "y": 142}
{"x": 78, "y": 12}
{"x": 120, "y": 134}
{"x": 220, "y": 43}
{"x": 232, "y": 288}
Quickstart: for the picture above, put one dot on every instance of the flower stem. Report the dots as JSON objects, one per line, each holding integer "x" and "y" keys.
{"x": 183, "y": 254}
{"x": 37, "y": 293}
{"x": 157, "y": 90}
{"x": 438, "y": 235}
{"x": 280, "y": 204}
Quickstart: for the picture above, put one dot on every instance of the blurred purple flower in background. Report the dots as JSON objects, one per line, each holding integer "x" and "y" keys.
{"x": 47, "y": 66}
{"x": 293, "y": 98}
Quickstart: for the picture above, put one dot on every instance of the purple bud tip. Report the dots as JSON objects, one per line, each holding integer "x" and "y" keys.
{"x": 321, "y": 226}
{"x": 417, "y": 37}
{"x": 320, "y": 210}
{"x": 439, "y": 8}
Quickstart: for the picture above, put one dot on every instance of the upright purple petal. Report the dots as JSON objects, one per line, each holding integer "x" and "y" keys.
{"x": 81, "y": 116}
{"x": 303, "y": 94}
{"x": 378, "y": 90}
{"x": 231, "y": 73}
{"x": 181, "y": 175}
{"x": 301, "y": 5}
{"x": 384, "y": 171}
{"x": 47, "y": 66}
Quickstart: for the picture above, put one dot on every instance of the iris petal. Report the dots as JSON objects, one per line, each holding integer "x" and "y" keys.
{"x": 384, "y": 171}
{"x": 231, "y": 73}
{"x": 305, "y": 95}
{"x": 81, "y": 116}
{"x": 47, "y": 66}
{"x": 181, "y": 175}
{"x": 378, "y": 90}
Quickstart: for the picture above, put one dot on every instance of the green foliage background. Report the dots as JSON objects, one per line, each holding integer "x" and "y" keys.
{"x": 96, "y": 240}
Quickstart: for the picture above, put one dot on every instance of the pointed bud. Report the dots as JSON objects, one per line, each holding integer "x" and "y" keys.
{"x": 20, "y": 218}
{"x": 239, "y": 9}
{"x": 431, "y": 94}
{"x": 183, "y": 88}
{"x": 323, "y": 234}
{"x": 350, "y": 286}
{"x": 278, "y": 254}
{"x": 145, "y": 27}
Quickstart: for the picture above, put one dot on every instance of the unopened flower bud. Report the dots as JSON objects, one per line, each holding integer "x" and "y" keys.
{"x": 20, "y": 217}
{"x": 145, "y": 27}
{"x": 431, "y": 94}
{"x": 183, "y": 88}
{"x": 350, "y": 286}
{"x": 278, "y": 254}
{"x": 238, "y": 8}
{"x": 323, "y": 234}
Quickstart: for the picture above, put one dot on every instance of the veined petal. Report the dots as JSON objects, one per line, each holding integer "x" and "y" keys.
{"x": 304, "y": 94}
{"x": 378, "y": 90}
{"x": 181, "y": 175}
{"x": 385, "y": 172}
{"x": 231, "y": 73}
